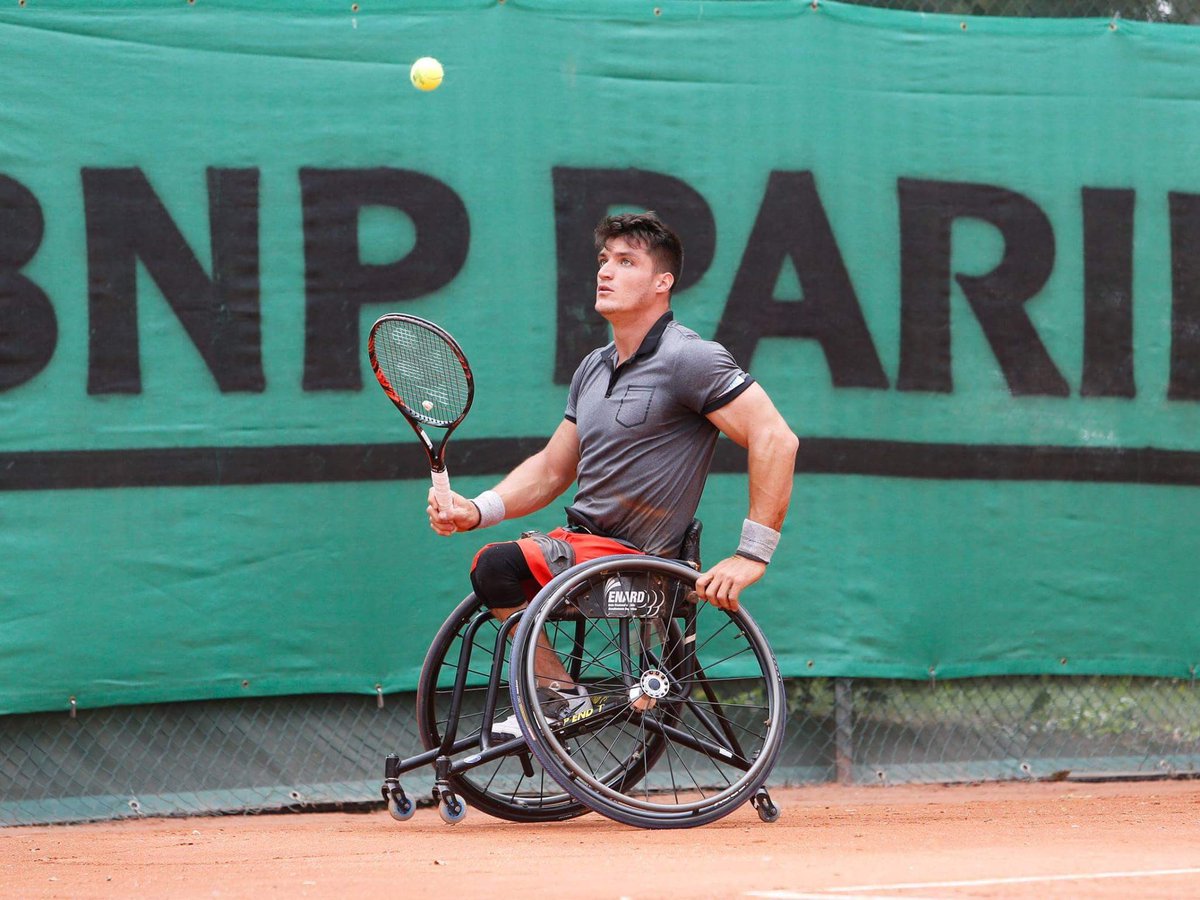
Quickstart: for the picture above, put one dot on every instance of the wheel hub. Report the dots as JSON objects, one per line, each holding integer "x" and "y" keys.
{"x": 655, "y": 684}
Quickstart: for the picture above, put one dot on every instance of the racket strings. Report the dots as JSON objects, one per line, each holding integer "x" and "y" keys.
{"x": 424, "y": 370}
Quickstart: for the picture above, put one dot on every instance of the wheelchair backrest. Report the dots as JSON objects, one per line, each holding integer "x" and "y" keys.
{"x": 689, "y": 549}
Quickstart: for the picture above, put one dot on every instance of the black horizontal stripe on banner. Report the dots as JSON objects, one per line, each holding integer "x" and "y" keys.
{"x": 317, "y": 463}
{"x": 285, "y": 464}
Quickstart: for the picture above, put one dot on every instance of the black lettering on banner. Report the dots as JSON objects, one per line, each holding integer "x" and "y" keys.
{"x": 126, "y": 223}
{"x": 338, "y": 283}
{"x": 792, "y": 224}
{"x": 582, "y": 197}
{"x": 28, "y": 325}
{"x": 927, "y": 212}
{"x": 1107, "y": 293}
{"x": 1184, "y": 382}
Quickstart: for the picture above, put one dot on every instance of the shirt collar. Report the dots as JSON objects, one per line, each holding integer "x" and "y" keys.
{"x": 649, "y": 342}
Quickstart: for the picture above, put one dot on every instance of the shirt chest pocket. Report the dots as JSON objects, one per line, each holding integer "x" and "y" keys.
{"x": 634, "y": 406}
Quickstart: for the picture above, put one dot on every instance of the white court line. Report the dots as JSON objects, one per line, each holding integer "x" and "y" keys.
{"x": 871, "y": 891}
{"x": 1025, "y": 879}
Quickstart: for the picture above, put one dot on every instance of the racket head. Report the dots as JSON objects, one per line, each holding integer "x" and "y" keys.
{"x": 422, "y": 369}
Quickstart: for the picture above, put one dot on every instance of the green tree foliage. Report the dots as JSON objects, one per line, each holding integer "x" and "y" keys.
{"x": 1182, "y": 12}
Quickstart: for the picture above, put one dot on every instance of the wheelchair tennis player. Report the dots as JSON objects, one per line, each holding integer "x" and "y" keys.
{"x": 638, "y": 435}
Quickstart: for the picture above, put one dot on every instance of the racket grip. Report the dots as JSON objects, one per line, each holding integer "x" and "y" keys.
{"x": 441, "y": 489}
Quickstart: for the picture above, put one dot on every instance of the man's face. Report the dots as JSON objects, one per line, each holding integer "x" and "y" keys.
{"x": 626, "y": 281}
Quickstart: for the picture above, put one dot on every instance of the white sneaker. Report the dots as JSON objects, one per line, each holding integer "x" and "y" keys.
{"x": 558, "y": 704}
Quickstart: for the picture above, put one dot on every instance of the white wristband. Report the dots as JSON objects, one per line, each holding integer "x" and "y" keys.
{"x": 491, "y": 509}
{"x": 758, "y": 541}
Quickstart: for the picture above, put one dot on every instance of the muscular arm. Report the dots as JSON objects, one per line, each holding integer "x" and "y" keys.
{"x": 752, "y": 421}
{"x": 527, "y": 488}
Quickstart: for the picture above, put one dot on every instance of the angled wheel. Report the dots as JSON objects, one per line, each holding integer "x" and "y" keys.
{"x": 511, "y": 787}
{"x": 692, "y": 689}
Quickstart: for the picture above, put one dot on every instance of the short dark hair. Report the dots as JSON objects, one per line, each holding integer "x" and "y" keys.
{"x": 647, "y": 232}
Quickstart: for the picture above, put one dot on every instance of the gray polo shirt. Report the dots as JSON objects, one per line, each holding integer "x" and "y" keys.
{"x": 645, "y": 444}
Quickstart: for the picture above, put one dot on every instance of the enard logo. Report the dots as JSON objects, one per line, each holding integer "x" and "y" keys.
{"x": 625, "y": 600}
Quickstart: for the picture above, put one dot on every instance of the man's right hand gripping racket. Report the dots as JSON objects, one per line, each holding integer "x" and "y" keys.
{"x": 425, "y": 373}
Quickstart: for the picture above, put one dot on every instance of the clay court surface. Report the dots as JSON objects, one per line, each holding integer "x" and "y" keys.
{"x": 1063, "y": 839}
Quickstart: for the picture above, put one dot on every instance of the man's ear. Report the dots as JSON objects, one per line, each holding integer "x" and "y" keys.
{"x": 665, "y": 282}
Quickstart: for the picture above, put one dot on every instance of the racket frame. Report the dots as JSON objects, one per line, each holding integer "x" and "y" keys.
{"x": 436, "y": 453}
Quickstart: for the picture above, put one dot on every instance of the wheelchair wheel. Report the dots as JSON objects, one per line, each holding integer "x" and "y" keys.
{"x": 697, "y": 683}
{"x": 511, "y": 787}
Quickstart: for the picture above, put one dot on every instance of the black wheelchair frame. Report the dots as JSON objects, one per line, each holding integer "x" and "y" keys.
{"x": 653, "y": 701}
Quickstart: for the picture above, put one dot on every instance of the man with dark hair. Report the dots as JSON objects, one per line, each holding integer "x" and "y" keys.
{"x": 638, "y": 435}
{"x": 650, "y": 233}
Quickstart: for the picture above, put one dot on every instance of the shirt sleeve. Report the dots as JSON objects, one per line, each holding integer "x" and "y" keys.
{"x": 707, "y": 376}
{"x": 576, "y": 384}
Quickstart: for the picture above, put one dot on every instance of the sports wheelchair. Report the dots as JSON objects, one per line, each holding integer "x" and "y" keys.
{"x": 687, "y": 706}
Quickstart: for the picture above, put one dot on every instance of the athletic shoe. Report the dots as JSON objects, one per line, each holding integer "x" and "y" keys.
{"x": 558, "y": 704}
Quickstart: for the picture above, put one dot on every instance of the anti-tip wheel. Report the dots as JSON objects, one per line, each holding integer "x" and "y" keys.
{"x": 451, "y": 809}
{"x": 401, "y": 807}
{"x": 767, "y": 810}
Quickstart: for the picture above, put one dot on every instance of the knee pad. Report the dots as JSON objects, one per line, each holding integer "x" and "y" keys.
{"x": 499, "y": 575}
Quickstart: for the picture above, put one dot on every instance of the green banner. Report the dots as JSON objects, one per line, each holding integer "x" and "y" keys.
{"x": 962, "y": 255}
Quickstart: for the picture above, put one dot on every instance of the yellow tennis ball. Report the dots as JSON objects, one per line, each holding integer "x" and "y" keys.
{"x": 426, "y": 73}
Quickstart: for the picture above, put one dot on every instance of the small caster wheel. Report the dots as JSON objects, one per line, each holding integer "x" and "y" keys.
{"x": 400, "y": 806}
{"x": 767, "y": 810}
{"x": 451, "y": 809}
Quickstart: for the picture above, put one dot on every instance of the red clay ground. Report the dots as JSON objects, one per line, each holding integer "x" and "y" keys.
{"x": 1002, "y": 840}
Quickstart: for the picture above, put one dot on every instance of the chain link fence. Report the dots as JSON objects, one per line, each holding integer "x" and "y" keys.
{"x": 1180, "y": 12}
{"x": 327, "y": 751}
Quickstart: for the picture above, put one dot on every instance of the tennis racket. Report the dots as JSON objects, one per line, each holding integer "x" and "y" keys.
{"x": 425, "y": 373}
